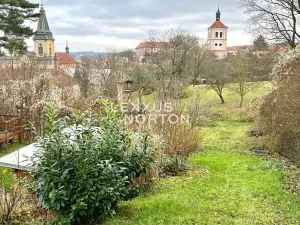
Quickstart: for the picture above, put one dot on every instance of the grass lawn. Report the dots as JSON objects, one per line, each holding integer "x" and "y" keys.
{"x": 6, "y": 175}
{"x": 227, "y": 185}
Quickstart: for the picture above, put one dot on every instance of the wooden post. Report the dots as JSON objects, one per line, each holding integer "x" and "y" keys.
{"x": 5, "y": 134}
{"x": 20, "y": 127}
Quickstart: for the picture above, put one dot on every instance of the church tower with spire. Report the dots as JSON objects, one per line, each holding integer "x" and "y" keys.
{"x": 217, "y": 36}
{"x": 44, "y": 45}
{"x": 67, "y": 47}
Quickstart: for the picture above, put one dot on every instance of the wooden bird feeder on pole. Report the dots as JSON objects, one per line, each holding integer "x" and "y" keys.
{"x": 125, "y": 90}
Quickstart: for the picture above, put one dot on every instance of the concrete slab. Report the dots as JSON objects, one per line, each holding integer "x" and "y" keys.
{"x": 19, "y": 159}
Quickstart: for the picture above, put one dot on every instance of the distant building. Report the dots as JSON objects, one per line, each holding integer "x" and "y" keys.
{"x": 44, "y": 48}
{"x": 66, "y": 63}
{"x": 217, "y": 37}
{"x": 44, "y": 43}
{"x": 145, "y": 48}
{"x": 234, "y": 50}
{"x": 279, "y": 48}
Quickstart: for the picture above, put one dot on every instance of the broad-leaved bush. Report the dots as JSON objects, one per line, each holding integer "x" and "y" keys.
{"x": 86, "y": 164}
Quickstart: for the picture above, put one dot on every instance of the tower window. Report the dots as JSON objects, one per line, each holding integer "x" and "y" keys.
{"x": 220, "y": 44}
{"x": 217, "y": 34}
{"x": 221, "y": 34}
{"x": 216, "y": 44}
{"x": 41, "y": 50}
{"x": 50, "y": 50}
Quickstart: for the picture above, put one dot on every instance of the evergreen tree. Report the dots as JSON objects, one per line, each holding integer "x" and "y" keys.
{"x": 260, "y": 43}
{"x": 16, "y": 47}
{"x": 13, "y": 14}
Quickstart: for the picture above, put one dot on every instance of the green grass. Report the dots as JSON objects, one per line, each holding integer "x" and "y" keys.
{"x": 6, "y": 175}
{"x": 11, "y": 149}
{"x": 228, "y": 184}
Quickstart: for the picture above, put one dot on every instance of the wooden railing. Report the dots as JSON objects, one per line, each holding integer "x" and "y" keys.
{"x": 11, "y": 127}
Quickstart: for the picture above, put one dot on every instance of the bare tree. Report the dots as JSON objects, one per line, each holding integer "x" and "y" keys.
{"x": 142, "y": 78}
{"x": 30, "y": 86}
{"x": 83, "y": 76}
{"x": 172, "y": 60}
{"x": 100, "y": 74}
{"x": 216, "y": 74}
{"x": 242, "y": 68}
{"x": 275, "y": 19}
{"x": 263, "y": 65}
{"x": 197, "y": 58}
{"x": 10, "y": 200}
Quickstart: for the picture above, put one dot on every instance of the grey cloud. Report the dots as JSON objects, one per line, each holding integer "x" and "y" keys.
{"x": 131, "y": 19}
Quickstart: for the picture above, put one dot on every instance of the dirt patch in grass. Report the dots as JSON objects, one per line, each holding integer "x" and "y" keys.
{"x": 256, "y": 133}
{"x": 261, "y": 150}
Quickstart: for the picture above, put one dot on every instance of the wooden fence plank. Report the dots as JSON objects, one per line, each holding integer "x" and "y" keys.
{"x": 11, "y": 127}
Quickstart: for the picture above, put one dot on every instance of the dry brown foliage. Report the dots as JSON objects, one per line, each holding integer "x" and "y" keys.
{"x": 280, "y": 113}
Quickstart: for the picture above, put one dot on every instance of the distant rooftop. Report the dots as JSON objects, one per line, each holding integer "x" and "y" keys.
{"x": 218, "y": 24}
{"x": 152, "y": 45}
{"x": 65, "y": 58}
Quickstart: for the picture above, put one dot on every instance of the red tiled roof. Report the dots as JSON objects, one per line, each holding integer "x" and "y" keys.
{"x": 65, "y": 58}
{"x": 151, "y": 45}
{"x": 284, "y": 49}
{"x": 239, "y": 48}
{"x": 218, "y": 24}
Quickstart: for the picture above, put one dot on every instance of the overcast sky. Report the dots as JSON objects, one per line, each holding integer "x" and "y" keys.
{"x": 98, "y": 25}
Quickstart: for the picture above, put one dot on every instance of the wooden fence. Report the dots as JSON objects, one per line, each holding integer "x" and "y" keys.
{"x": 11, "y": 127}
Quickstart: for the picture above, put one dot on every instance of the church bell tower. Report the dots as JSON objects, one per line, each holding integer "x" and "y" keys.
{"x": 217, "y": 36}
{"x": 44, "y": 45}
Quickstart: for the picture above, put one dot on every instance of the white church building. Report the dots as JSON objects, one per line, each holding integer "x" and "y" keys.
{"x": 216, "y": 41}
{"x": 217, "y": 37}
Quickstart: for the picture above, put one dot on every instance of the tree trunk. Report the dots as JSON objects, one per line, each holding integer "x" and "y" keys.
{"x": 242, "y": 101}
{"x": 140, "y": 101}
{"x": 222, "y": 98}
{"x": 195, "y": 78}
{"x": 294, "y": 27}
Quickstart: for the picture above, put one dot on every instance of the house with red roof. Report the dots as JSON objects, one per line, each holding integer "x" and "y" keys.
{"x": 217, "y": 37}
{"x": 217, "y": 41}
{"x": 234, "y": 50}
{"x": 65, "y": 62}
{"x": 145, "y": 48}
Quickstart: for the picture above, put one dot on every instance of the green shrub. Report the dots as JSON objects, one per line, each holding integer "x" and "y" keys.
{"x": 85, "y": 165}
{"x": 185, "y": 93}
{"x": 173, "y": 166}
{"x": 196, "y": 81}
{"x": 147, "y": 91}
